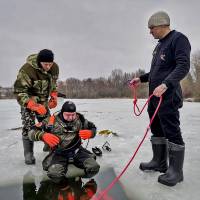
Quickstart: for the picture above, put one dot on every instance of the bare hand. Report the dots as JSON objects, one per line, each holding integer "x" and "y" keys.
{"x": 135, "y": 82}
{"x": 158, "y": 92}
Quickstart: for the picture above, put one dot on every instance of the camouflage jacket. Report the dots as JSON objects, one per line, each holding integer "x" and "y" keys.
{"x": 33, "y": 82}
{"x": 68, "y": 132}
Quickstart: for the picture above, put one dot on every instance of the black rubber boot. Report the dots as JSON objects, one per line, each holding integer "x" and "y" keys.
{"x": 28, "y": 151}
{"x": 174, "y": 173}
{"x": 159, "y": 160}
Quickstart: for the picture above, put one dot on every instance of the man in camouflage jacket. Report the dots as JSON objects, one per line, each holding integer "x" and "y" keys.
{"x": 63, "y": 133}
{"x": 36, "y": 82}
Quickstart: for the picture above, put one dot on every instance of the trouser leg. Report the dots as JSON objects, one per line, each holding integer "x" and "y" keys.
{"x": 86, "y": 160}
{"x": 171, "y": 126}
{"x": 57, "y": 168}
{"x": 167, "y": 122}
{"x": 28, "y": 120}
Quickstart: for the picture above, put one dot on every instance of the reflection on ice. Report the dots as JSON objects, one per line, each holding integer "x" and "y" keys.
{"x": 68, "y": 189}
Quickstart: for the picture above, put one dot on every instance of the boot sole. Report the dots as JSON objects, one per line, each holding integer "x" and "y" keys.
{"x": 30, "y": 163}
{"x": 154, "y": 169}
{"x": 168, "y": 183}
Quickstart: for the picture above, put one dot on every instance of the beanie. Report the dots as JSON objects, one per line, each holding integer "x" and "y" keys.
{"x": 68, "y": 106}
{"x": 158, "y": 19}
{"x": 45, "y": 55}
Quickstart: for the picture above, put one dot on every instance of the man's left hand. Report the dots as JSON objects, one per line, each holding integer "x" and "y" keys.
{"x": 85, "y": 134}
{"x": 158, "y": 92}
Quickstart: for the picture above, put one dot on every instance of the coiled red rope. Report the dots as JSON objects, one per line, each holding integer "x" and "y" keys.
{"x": 137, "y": 113}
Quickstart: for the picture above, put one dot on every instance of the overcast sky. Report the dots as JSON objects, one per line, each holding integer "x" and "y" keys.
{"x": 89, "y": 38}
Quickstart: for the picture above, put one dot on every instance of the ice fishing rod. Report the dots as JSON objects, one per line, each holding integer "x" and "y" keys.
{"x": 133, "y": 87}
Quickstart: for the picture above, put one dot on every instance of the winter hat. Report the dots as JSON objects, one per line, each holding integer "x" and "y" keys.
{"x": 68, "y": 106}
{"x": 45, "y": 55}
{"x": 158, "y": 19}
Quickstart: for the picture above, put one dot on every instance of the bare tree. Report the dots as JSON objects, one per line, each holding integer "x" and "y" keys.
{"x": 115, "y": 86}
{"x": 196, "y": 73}
{"x": 188, "y": 86}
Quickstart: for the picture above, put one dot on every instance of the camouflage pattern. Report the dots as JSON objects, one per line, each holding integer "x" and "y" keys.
{"x": 34, "y": 82}
{"x": 28, "y": 120}
{"x": 67, "y": 132}
{"x": 69, "y": 149}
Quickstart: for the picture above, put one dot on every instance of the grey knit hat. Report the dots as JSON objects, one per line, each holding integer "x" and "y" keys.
{"x": 158, "y": 19}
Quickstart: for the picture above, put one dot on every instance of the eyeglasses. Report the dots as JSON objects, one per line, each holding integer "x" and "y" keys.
{"x": 69, "y": 116}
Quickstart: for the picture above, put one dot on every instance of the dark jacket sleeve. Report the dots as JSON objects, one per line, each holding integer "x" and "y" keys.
{"x": 144, "y": 78}
{"x": 88, "y": 125}
{"x": 182, "y": 50}
{"x": 93, "y": 128}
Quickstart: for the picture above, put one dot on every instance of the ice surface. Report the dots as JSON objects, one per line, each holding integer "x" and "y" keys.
{"x": 116, "y": 115}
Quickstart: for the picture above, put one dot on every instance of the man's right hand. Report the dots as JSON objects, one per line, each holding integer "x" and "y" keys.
{"x": 36, "y": 107}
{"x": 53, "y": 100}
{"x": 50, "y": 139}
{"x": 135, "y": 82}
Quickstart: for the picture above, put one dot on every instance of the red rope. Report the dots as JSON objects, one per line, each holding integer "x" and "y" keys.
{"x": 129, "y": 162}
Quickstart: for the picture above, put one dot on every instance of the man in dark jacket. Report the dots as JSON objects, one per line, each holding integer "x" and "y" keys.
{"x": 36, "y": 82}
{"x": 63, "y": 132}
{"x": 170, "y": 64}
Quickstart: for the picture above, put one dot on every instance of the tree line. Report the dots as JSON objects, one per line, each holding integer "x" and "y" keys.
{"x": 116, "y": 85}
{"x": 191, "y": 84}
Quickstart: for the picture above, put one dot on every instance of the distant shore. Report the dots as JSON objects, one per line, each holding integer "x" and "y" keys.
{"x": 191, "y": 99}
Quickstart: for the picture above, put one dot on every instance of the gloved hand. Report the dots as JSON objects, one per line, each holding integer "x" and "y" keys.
{"x": 50, "y": 139}
{"x": 36, "y": 107}
{"x": 53, "y": 100}
{"x": 85, "y": 134}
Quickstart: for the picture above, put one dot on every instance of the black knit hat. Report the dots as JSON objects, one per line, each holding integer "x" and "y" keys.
{"x": 45, "y": 55}
{"x": 68, "y": 106}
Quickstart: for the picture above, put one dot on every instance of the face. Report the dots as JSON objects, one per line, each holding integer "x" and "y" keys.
{"x": 69, "y": 116}
{"x": 157, "y": 31}
{"x": 46, "y": 65}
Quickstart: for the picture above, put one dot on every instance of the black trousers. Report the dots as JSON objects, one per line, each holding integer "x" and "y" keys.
{"x": 56, "y": 164}
{"x": 78, "y": 158}
{"x": 167, "y": 121}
